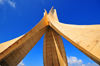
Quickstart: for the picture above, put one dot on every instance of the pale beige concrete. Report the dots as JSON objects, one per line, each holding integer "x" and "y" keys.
{"x": 15, "y": 57}
{"x": 84, "y": 37}
{"x": 53, "y": 49}
{"x": 5, "y": 45}
{"x": 18, "y": 48}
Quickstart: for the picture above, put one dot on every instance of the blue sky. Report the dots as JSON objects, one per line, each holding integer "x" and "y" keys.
{"x": 17, "y": 17}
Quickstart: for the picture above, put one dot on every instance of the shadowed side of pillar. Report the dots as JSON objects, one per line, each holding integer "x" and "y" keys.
{"x": 19, "y": 48}
{"x": 3, "y": 63}
{"x": 14, "y": 58}
{"x": 84, "y": 37}
{"x": 59, "y": 47}
{"x": 53, "y": 49}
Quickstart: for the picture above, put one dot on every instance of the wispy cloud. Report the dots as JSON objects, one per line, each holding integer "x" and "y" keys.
{"x": 89, "y": 64}
{"x": 73, "y": 61}
{"x": 11, "y": 3}
{"x": 1, "y": 1}
{"x": 21, "y": 64}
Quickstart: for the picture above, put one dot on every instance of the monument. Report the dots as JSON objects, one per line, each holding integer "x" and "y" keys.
{"x": 86, "y": 38}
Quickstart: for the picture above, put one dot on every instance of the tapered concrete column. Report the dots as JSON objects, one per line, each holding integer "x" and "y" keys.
{"x": 53, "y": 49}
{"x": 3, "y": 63}
{"x": 13, "y": 51}
{"x": 86, "y": 38}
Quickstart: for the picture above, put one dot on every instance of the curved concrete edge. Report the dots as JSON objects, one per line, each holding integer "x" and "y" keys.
{"x": 19, "y": 53}
{"x": 85, "y": 37}
{"x": 16, "y": 44}
{"x": 75, "y": 35}
{"x": 53, "y": 49}
{"x": 5, "y": 45}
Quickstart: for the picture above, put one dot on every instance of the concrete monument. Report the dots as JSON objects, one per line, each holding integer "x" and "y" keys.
{"x": 86, "y": 38}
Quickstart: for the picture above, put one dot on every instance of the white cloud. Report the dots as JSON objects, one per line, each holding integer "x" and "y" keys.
{"x": 73, "y": 61}
{"x": 89, "y": 64}
{"x": 21, "y": 64}
{"x": 1, "y": 1}
{"x": 11, "y": 3}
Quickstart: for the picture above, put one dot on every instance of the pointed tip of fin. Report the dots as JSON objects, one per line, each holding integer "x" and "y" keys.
{"x": 45, "y": 12}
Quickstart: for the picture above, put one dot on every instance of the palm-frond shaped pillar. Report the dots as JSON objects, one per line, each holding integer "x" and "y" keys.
{"x": 53, "y": 50}
{"x": 86, "y": 38}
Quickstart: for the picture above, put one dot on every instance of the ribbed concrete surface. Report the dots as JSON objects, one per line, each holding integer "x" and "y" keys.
{"x": 53, "y": 50}
{"x": 84, "y": 37}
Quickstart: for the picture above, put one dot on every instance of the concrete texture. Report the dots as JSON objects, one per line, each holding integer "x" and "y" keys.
{"x": 14, "y": 53}
{"x": 53, "y": 49}
{"x": 84, "y": 37}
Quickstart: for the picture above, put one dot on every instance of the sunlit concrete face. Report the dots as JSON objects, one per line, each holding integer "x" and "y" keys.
{"x": 86, "y": 38}
{"x": 18, "y": 48}
{"x": 53, "y": 50}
